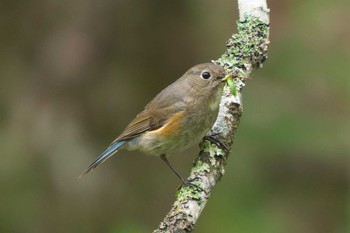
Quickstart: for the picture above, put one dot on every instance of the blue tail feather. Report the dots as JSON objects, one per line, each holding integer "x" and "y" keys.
{"x": 111, "y": 150}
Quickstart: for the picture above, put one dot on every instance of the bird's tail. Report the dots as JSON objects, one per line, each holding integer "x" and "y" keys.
{"x": 111, "y": 150}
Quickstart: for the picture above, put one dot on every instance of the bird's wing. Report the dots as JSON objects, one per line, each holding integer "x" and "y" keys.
{"x": 155, "y": 114}
{"x": 141, "y": 123}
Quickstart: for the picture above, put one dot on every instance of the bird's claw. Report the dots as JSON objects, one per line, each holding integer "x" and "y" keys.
{"x": 189, "y": 183}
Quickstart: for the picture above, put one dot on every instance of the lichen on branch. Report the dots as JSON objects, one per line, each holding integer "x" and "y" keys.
{"x": 247, "y": 49}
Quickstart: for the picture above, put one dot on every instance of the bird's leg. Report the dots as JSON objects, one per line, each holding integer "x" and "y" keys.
{"x": 184, "y": 182}
{"x": 166, "y": 161}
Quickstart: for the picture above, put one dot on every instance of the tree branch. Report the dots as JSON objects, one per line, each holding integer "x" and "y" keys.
{"x": 246, "y": 51}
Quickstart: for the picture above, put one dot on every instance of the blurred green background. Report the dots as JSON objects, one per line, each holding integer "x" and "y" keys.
{"x": 73, "y": 73}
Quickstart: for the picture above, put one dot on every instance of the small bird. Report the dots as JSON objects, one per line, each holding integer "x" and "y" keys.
{"x": 178, "y": 117}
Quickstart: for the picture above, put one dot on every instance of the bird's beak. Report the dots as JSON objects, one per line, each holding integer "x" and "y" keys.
{"x": 226, "y": 77}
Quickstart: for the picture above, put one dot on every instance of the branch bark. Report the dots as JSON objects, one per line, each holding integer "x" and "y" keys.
{"x": 246, "y": 51}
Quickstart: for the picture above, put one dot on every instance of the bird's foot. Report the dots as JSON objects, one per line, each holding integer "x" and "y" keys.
{"x": 189, "y": 183}
{"x": 216, "y": 142}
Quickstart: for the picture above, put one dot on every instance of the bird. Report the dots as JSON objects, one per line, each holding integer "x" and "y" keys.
{"x": 177, "y": 118}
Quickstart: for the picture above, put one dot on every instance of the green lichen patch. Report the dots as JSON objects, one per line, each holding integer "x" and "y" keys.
{"x": 201, "y": 167}
{"x": 211, "y": 148}
{"x": 189, "y": 193}
{"x": 249, "y": 45}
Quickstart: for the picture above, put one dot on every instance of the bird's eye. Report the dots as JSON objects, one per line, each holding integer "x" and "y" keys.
{"x": 206, "y": 75}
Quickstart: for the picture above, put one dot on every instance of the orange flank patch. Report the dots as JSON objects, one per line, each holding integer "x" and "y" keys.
{"x": 171, "y": 125}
